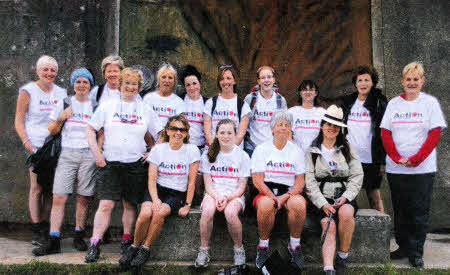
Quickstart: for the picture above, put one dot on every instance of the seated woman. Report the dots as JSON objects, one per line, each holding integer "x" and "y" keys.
{"x": 278, "y": 174}
{"x": 171, "y": 184}
{"x": 333, "y": 180}
{"x": 225, "y": 169}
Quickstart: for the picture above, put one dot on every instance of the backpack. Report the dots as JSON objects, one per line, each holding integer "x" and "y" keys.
{"x": 240, "y": 105}
{"x": 255, "y": 91}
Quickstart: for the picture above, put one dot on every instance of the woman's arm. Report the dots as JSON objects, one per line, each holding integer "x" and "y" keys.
{"x": 152, "y": 176}
{"x": 312, "y": 185}
{"x": 207, "y": 127}
{"x": 193, "y": 169}
{"x": 355, "y": 178}
{"x": 54, "y": 127}
{"x": 240, "y": 190}
{"x": 92, "y": 141}
{"x": 243, "y": 125}
{"x": 389, "y": 146}
{"x": 23, "y": 102}
{"x": 209, "y": 186}
{"x": 429, "y": 145}
{"x": 258, "y": 182}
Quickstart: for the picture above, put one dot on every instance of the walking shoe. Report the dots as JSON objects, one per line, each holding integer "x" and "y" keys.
{"x": 36, "y": 229}
{"x": 52, "y": 246}
{"x": 329, "y": 272}
{"x": 142, "y": 257}
{"x": 202, "y": 258}
{"x": 128, "y": 255}
{"x": 78, "y": 241}
{"x": 340, "y": 265}
{"x": 92, "y": 254}
{"x": 398, "y": 254}
{"x": 416, "y": 262}
{"x": 239, "y": 256}
{"x": 297, "y": 257}
{"x": 124, "y": 246}
{"x": 262, "y": 254}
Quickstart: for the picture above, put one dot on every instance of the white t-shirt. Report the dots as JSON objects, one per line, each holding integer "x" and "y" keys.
{"x": 73, "y": 134}
{"x": 410, "y": 122}
{"x": 124, "y": 141}
{"x": 194, "y": 114}
{"x": 106, "y": 95}
{"x": 225, "y": 108}
{"x": 279, "y": 166}
{"x": 306, "y": 125}
{"x": 164, "y": 107}
{"x": 360, "y": 133}
{"x": 173, "y": 165}
{"x": 263, "y": 110}
{"x": 39, "y": 109}
{"x": 227, "y": 170}
{"x": 327, "y": 154}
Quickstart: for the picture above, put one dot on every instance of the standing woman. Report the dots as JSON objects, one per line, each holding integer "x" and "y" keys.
{"x": 411, "y": 130}
{"x": 334, "y": 178}
{"x": 171, "y": 185}
{"x": 122, "y": 175}
{"x": 164, "y": 102}
{"x": 76, "y": 163}
{"x": 34, "y": 105}
{"x": 226, "y": 105}
{"x": 111, "y": 67}
{"x": 225, "y": 169}
{"x": 264, "y": 100}
{"x": 307, "y": 116}
{"x": 363, "y": 112}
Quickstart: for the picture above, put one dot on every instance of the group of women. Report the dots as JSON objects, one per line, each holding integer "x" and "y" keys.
{"x": 149, "y": 151}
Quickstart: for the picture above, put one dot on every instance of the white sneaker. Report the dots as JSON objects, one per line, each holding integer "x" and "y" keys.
{"x": 239, "y": 256}
{"x": 202, "y": 258}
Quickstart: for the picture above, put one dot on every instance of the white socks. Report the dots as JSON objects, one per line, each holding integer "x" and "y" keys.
{"x": 342, "y": 255}
{"x": 263, "y": 243}
{"x": 325, "y": 268}
{"x": 294, "y": 242}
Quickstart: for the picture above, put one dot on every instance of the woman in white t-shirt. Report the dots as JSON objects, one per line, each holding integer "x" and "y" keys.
{"x": 129, "y": 126}
{"x": 307, "y": 116}
{"x": 264, "y": 100}
{"x": 278, "y": 173}
{"x": 171, "y": 183}
{"x": 411, "y": 130}
{"x": 226, "y": 105}
{"x": 164, "y": 102}
{"x": 35, "y": 102}
{"x": 225, "y": 169}
{"x": 111, "y": 67}
{"x": 76, "y": 163}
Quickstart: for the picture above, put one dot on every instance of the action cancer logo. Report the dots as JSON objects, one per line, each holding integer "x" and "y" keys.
{"x": 258, "y": 115}
{"x": 81, "y": 116}
{"x": 224, "y": 114}
{"x": 193, "y": 115}
{"x": 127, "y": 116}
{"x": 173, "y": 167}
{"x": 280, "y": 165}
{"x": 165, "y": 110}
{"x": 359, "y": 115}
{"x": 307, "y": 122}
{"x": 408, "y": 115}
{"x": 48, "y": 102}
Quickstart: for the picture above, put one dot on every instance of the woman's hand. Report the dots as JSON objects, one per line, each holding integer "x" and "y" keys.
{"x": 184, "y": 211}
{"x": 403, "y": 161}
{"x": 328, "y": 209}
{"x": 156, "y": 205}
{"x": 221, "y": 203}
{"x": 65, "y": 114}
{"x": 100, "y": 161}
{"x": 281, "y": 201}
{"x": 30, "y": 148}
{"x": 339, "y": 202}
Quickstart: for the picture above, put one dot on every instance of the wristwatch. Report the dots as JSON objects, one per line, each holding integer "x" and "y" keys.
{"x": 188, "y": 204}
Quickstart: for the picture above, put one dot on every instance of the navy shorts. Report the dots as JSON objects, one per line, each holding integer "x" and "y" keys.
{"x": 175, "y": 199}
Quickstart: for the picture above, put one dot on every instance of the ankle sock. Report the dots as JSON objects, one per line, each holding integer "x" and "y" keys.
{"x": 127, "y": 237}
{"x": 55, "y": 234}
{"x": 343, "y": 255}
{"x": 325, "y": 268}
{"x": 79, "y": 229}
{"x": 145, "y": 247}
{"x": 263, "y": 243}
{"x": 95, "y": 241}
{"x": 294, "y": 242}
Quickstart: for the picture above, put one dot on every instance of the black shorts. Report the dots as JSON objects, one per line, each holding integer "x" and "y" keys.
{"x": 127, "y": 181}
{"x": 175, "y": 199}
{"x": 317, "y": 214}
{"x": 372, "y": 176}
{"x": 276, "y": 188}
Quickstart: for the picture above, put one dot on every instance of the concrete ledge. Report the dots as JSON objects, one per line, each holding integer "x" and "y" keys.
{"x": 180, "y": 239}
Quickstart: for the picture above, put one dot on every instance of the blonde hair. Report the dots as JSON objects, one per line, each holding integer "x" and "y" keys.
{"x": 127, "y": 72}
{"x": 167, "y": 67}
{"x": 46, "y": 60}
{"x": 265, "y": 67}
{"x": 112, "y": 60}
{"x": 414, "y": 68}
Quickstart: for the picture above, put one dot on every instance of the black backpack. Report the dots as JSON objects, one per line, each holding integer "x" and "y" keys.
{"x": 240, "y": 105}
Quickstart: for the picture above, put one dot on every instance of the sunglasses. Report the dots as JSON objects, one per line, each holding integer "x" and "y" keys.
{"x": 225, "y": 67}
{"x": 176, "y": 129}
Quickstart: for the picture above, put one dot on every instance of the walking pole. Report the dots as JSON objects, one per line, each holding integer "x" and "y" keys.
{"x": 324, "y": 236}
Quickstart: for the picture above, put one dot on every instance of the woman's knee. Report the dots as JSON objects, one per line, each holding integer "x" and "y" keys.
{"x": 346, "y": 213}
{"x": 265, "y": 205}
{"x": 106, "y": 206}
{"x": 146, "y": 211}
{"x": 331, "y": 228}
{"x": 296, "y": 203}
{"x": 59, "y": 200}
{"x": 232, "y": 214}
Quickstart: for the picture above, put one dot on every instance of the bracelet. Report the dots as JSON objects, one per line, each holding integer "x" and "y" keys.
{"x": 188, "y": 204}
{"x": 25, "y": 142}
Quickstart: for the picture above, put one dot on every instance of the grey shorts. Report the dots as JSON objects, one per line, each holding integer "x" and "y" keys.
{"x": 75, "y": 166}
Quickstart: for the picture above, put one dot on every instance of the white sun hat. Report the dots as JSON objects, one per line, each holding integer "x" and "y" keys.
{"x": 334, "y": 115}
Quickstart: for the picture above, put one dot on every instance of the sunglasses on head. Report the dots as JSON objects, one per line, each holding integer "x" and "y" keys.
{"x": 225, "y": 67}
{"x": 175, "y": 129}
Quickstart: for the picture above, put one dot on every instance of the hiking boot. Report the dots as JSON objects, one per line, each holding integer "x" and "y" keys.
{"x": 92, "y": 254}
{"x": 202, "y": 258}
{"x": 142, "y": 257}
{"x": 239, "y": 256}
{"x": 262, "y": 254}
{"x": 297, "y": 257}
{"x": 128, "y": 255}
{"x": 40, "y": 233}
{"x": 398, "y": 254}
{"x": 52, "y": 246}
{"x": 106, "y": 237}
{"x": 124, "y": 246}
{"x": 329, "y": 272}
{"x": 340, "y": 265}
{"x": 416, "y": 262}
{"x": 78, "y": 241}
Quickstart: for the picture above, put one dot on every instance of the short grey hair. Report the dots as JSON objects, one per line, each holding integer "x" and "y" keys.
{"x": 162, "y": 69}
{"x": 112, "y": 60}
{"x": 279, "y": 116}
{"x": 46, "y": 60}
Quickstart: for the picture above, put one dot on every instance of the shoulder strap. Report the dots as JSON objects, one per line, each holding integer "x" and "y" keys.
{"x": 277, "y": 92}
{"x": 254, "y": 93}
{"x": 100, "y": 91}
{"x": 66, "y": 102}
{"x": 314, "y": 159}
{"x": 204, "y": 99}
{"x": 240, "y": 105}
{"x": 214, "y": 103}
